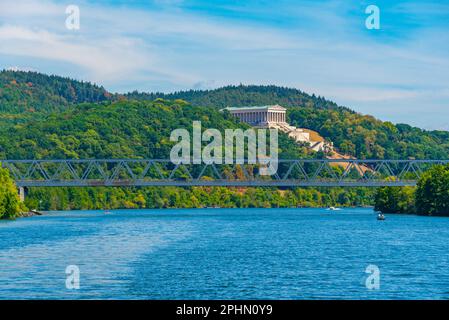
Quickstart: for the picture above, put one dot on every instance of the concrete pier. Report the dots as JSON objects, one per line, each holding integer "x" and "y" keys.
{"x": 22, "y": 192}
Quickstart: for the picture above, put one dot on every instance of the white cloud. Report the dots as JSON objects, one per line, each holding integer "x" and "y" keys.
{"x": 170, "y": 49}
{"x": 101, "y": 60}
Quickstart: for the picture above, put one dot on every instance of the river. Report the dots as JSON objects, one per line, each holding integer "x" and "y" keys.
{"x": 224, "y": 254}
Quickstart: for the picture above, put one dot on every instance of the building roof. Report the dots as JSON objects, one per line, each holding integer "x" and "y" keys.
{"x": 255, "y": 108}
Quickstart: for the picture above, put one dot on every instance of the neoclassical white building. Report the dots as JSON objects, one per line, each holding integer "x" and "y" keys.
{"x": 260, "y": 116}
{"x": 275, "y": 117}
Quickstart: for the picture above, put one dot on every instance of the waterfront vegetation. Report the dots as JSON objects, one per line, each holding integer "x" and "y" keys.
{"x": 194, "y": 197}
{"x": 10, "y": 206}
{"x": 49, "y": 117}
{"x": 430, "y": 197}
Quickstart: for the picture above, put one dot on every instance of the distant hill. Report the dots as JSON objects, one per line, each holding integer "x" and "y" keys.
{"x": 352, "y": 133}
{"x": 31, "y": 96}
{"x": 30, "y": 92}
{"x": 242, "y": 95}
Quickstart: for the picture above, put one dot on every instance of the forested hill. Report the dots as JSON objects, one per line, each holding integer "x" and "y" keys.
{"x": 242, "y": 95}
{"x": 30, "y": 96}
{"x": 31, "y": 92}
{"x": 119, "y": 129}
{"x": 362, "y": 136}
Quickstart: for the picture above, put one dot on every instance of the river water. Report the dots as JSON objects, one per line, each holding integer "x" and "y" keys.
{"x": 225, "y": 254}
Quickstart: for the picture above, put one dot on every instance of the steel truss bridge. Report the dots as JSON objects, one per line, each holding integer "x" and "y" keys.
{"x": 153, "y": 172}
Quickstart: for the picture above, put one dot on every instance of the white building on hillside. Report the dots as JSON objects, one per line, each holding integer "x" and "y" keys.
{"x": 260, "y": 116}
{"x": 275, "y": 117}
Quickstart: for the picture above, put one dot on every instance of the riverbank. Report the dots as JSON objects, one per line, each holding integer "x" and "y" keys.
{"x": 30, "y": 213}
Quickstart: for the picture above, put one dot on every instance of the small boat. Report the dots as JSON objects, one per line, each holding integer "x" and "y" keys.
{"x": 380, "y": 217}
{"x": 333, "y": 209}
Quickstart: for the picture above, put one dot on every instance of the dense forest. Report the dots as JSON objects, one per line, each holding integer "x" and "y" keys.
{"x": 365, "y": 137}
{"x": 239, "y": 96}
{"x": 30, "y": 92}
{"x": 121, "y": 129}
{"x": 53, "y": 117}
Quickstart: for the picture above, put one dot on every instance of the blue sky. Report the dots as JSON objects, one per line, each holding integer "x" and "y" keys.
{"x": 399, "y": 73}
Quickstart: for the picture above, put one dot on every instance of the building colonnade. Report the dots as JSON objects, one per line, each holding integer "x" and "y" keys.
{"x": 260, "y": 115}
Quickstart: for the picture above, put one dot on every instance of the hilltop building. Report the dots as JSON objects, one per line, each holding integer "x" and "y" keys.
{"x": 261, "y": 116}
{"x": 275, "y": 117}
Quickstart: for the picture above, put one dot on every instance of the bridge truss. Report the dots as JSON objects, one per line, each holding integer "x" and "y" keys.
{"x": 153, "y": 172}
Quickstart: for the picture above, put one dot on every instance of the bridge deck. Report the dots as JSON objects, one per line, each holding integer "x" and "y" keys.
{"x": 154, "y": 172}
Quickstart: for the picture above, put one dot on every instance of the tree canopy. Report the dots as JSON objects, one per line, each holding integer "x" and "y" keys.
{"x": 10, "y": 206}
{"x": 432, "y": 193}
{"x": 430, "y": 197}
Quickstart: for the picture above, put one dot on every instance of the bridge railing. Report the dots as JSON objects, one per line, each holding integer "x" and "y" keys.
{"x": 160, "y": 172}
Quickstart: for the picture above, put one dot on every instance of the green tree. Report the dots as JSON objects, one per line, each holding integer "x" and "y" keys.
{"x": 395, "y": 200}
{"x": 10, "y": 205}
{"x": 432, "y": 194}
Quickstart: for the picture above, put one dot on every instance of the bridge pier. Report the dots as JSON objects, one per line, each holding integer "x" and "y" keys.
{"x": 22, "y": 192}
